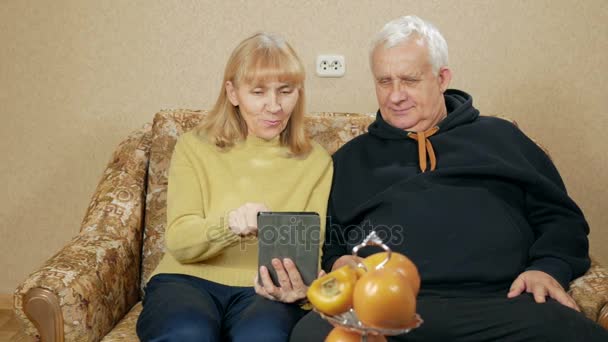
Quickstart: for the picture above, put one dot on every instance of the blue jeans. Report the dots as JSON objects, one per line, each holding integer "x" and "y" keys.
{"x": 184, "y": 308}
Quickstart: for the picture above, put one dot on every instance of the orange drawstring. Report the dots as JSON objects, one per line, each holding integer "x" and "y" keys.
{"x": 424, "y": 146}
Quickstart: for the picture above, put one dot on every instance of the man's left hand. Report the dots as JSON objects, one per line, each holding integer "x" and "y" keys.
{"x": 291, "y": 287}
{"x": 541, "y": 285}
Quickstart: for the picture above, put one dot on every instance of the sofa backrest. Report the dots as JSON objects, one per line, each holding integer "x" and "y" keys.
{"x": 331, "y": 130}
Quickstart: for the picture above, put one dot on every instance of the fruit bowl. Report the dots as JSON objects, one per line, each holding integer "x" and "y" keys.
{"x": 349, "y": 321}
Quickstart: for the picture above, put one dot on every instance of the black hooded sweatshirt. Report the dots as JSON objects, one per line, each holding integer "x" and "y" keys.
{"x": 494, "y": 207}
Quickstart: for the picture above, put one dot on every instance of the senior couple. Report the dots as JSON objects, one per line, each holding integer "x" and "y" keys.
{"x": 482, "y": 209}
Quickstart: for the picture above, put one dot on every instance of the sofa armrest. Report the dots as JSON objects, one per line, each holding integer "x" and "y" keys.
{"x": 590, "y": 292}
{"x": 91, "y": 283}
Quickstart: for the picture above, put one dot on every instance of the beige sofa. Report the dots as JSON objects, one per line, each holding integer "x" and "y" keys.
{"x": 91, "y": 289}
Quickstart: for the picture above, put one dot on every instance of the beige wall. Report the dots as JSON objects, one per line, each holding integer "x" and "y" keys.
{"x": 76, "y": 76}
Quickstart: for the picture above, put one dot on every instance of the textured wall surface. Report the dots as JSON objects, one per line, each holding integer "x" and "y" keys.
{"x": 77, "y": 76}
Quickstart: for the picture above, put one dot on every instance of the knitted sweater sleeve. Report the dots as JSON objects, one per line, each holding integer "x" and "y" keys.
{"x": 191, "y": 236}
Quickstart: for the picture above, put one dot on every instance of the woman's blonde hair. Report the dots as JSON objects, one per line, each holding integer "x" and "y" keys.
{"x": 259, "y": 58}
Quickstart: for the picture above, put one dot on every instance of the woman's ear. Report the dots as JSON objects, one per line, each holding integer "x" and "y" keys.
{"x": 231, "y": 93}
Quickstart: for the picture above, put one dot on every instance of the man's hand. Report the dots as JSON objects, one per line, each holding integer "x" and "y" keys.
{"x": 291, "y": 287}
{"x": 244, "y": 219}
{"x": 541, "y": 285}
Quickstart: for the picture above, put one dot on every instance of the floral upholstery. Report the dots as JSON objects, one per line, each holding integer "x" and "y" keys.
{"x": 166, "y": 128}
{"x": 125, "y": 329}
{"x": 591, "y": 292}
{"x": 97, "y": 276}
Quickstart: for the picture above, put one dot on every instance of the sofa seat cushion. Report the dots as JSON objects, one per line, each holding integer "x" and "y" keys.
{"x": 124, "y": 331}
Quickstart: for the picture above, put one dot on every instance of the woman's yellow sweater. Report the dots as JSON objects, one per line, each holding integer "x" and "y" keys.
{"x": 206, "y": 183}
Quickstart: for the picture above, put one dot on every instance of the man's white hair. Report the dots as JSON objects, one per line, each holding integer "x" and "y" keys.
{"x": 409, "y": 27}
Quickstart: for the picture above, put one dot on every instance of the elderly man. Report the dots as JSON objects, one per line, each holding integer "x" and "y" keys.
{"x": 477, "y": 205}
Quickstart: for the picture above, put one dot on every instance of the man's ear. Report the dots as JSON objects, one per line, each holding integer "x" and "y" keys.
{"x": 445, "y": 77}
{"x": 231, "y": 93}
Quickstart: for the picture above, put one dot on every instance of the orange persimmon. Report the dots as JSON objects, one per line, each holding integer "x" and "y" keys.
{"x": 342, "y": 335}
{"x": 384, "y": 299}
{"x": 332, "y": 294}
{"x": 398, "y": 262}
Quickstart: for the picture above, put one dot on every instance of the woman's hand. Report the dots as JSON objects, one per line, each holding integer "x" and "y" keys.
{"x": 244, "y": 219}
{"x": 291, "y": 287}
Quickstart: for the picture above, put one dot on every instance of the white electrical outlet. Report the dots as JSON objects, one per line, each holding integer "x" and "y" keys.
{"x": 330, "y": 65}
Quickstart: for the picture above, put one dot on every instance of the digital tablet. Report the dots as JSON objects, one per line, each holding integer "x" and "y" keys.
{"x": 294, "y": 235}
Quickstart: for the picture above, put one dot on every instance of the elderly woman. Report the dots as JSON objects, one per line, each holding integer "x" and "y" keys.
{"x": 251, "y": 154}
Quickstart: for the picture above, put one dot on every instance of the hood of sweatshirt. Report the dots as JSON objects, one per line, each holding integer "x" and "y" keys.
{"x": 460, "y": 111}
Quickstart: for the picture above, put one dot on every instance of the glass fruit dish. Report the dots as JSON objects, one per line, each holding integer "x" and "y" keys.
{"x": 348, "y": 320}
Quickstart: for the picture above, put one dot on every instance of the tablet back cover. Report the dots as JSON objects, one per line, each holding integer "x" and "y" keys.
{"x": 294, "y": 235}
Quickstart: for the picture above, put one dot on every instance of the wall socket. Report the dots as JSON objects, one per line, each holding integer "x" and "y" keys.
{"x": 330, "y": 65}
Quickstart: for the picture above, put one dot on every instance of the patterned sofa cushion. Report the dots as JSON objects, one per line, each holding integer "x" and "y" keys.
{"x": 331, "y": 130}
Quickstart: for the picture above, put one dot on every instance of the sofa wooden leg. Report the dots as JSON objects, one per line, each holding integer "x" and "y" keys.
{"x": 41, "y": 306}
